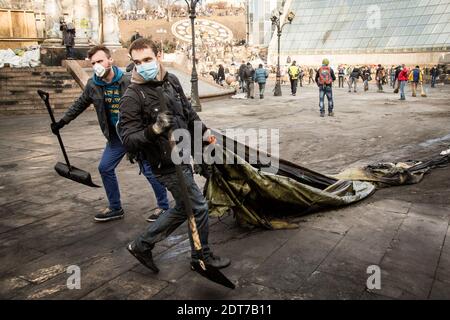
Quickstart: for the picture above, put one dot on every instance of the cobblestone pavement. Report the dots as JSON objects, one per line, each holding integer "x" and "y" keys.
{"x": 46, "y": 222}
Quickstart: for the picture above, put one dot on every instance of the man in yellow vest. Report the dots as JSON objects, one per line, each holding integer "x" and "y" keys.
{"x": 293, "y": 72}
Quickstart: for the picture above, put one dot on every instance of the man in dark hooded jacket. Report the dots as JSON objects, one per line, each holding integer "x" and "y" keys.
{"x": 153, "y": 105}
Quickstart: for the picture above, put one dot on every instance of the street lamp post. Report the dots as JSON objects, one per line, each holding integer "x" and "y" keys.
{"x": 195, "y": 100}
{"x": 276, "y": 21}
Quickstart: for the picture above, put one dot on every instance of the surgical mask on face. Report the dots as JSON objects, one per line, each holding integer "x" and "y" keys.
{"x": 99, "y": 70}
{"x": 148, "y": 70}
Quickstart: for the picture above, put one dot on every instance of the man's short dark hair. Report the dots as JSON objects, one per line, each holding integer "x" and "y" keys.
{"x": 143, "y": 43}
{"x": 98, "y": 48}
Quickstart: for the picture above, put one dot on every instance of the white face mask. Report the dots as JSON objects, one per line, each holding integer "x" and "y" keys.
{"x": 99, "y": 70}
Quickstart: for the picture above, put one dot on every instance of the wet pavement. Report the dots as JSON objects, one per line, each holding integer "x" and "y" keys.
{"x": 46, "y": 222}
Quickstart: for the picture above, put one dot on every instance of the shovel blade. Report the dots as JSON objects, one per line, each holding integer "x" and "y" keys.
{"x": 211, "y": 273}
{"x": 75, "y": 174}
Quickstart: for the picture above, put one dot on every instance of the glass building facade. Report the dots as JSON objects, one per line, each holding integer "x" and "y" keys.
{"x": 366, "y": 26}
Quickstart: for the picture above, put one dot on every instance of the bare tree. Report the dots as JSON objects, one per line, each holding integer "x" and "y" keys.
{"x": 167, "y": 6}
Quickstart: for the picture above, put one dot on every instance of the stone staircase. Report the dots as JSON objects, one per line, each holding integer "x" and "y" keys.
{"x": 18, "y": 89}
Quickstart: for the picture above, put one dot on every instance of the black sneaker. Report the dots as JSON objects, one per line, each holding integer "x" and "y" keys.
{"x": 331, "y": 114}
{"x": 145, "y": 258}
{"x": 155, "y": 215}
{"x": 109, "y": 215}
{"x": 215, "y": 261}
{"x": 322, "y": 114}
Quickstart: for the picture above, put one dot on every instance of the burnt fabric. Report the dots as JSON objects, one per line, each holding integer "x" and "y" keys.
{"x": 259, "y": 198}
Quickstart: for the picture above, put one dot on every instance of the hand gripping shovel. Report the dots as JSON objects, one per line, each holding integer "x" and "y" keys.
{"x": 65, "y": 169}
{"x": 200, "y": 266}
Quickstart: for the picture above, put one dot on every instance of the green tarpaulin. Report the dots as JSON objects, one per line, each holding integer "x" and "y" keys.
{"x": 263, "y": 199}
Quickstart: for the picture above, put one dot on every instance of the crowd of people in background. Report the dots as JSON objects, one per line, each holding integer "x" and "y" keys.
{"x": 177, "y": 11}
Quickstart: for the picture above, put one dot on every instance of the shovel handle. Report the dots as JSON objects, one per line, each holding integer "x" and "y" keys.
{"x": 187, "y": 203}
{"x": 45, "y": 97}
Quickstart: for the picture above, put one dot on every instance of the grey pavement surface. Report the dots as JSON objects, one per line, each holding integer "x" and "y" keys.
{"x": 46, "y": 222}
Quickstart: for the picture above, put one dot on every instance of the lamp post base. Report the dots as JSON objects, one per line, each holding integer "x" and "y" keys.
{"x": 277, "y": 91}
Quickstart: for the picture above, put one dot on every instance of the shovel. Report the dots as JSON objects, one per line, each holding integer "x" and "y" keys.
{"x": 65, "y": 169}
{"x": 204, "y": 269}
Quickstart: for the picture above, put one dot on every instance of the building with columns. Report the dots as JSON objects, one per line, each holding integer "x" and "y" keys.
{"x": 96, "y": 21}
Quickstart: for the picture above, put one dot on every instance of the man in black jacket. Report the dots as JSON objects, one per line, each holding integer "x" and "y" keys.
{"x": 353, "y": 79}
{"x": 154, "y": 104}
{"x": 104, "y": 90}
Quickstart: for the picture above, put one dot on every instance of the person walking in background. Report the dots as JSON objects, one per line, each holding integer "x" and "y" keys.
{"x": 341, "y": 75}
{"x": 366, "y": 77}
{"x": 324, "y": 79}
{"x": 311, "y": 75}
{"x": 398, "y": 69}
{"x": 294, "y": 73}
{"x": 68, "y": 38}
{"x": 221, "y": 75}
{"x": 261, "y": 76}
{"x": 434, "y": 72}
{"x": 353, "y": 79}
{"x": 250, "y": 80}
{"x": 380, "y": 74}
{"x": 415, "y": 77}
{"x": 241, "y": 72}
{"x": 392, "y": 76}
{"x": 403, "y": 79}
{"x": 301, "y": 75}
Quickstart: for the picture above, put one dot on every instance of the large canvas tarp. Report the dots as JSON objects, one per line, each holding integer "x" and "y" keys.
{"x": 260, "y": 198}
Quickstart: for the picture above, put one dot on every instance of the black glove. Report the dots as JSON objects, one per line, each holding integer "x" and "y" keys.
{"x": 163, "y": 122}
{"x": 57, "y": 126}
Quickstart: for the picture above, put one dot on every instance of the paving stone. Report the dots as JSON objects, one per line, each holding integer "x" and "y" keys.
{"x": 130, "y": 285}
{"x": 298, "y": 258}
{"x": 397, "y": 206}
{"x": 324, "y": 286}
{"x": 440, "y": 291}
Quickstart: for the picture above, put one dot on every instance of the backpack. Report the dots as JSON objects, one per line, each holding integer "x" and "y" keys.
{"x": 325, "y": 76}
{"x": 416, "y": 75}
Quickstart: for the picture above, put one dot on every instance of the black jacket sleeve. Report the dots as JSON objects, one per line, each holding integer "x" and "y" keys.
{"x": 333, "y": 75}
{"x": 134, "y": 133}
{"x": 79, "y": 105}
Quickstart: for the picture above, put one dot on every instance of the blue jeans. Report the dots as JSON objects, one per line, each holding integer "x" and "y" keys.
{"x": 402, "y": 89}
{"x": 112, "y": 155}
{"x": 325, "y": 91}
{"x": 174, "y": 217}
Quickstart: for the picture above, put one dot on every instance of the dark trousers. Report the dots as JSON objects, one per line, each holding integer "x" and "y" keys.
{"x": 174, "y": 217}
{"x": 70, "y": 52}
{"x": 341, "y": 81}
{"x": 262, "y": 87}
{"x": 294, "y": 83}
{"x": 433, "y": 81}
